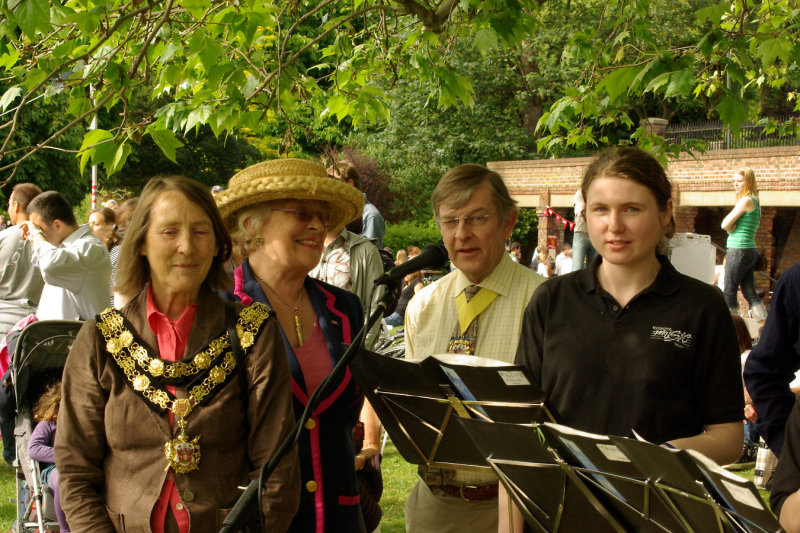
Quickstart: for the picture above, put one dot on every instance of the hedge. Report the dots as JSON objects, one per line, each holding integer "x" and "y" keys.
{"x": 400, "y": 235}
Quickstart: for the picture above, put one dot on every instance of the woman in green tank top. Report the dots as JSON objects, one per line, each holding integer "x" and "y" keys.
{"x": 742, "y": 255}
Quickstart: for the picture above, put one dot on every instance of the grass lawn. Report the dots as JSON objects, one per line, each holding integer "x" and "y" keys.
{"x": 398, "y": 479}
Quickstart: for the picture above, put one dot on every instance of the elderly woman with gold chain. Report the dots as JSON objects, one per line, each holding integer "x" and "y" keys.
{"x": 279, "y": 212}
{"x": 176, "y": 400}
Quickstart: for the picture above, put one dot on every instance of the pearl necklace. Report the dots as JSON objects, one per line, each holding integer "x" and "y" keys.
{"x": 298, "y": 324}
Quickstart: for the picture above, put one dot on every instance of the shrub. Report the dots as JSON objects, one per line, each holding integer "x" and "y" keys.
{"x": 399, "y": 236}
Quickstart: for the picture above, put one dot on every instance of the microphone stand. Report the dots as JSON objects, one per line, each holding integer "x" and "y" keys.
{"x": 243, "y": 506}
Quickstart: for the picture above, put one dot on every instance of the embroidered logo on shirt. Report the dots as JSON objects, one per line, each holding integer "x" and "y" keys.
{"x": 677, "y": 337}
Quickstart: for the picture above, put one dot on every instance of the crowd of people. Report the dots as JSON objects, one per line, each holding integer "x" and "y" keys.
{"x": 213, "y": 317}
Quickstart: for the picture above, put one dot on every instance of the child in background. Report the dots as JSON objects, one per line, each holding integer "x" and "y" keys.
{"x": 40, "y": 446}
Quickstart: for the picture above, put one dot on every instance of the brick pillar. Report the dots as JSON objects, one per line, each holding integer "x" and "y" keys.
{"x": 547, "y": 225}
{"x": 684, "y": 219}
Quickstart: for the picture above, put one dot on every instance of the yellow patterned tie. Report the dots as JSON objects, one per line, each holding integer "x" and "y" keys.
{"x": 470, "y": 303}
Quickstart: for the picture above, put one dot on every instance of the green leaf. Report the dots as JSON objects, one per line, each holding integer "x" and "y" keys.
{"x": 251, "y": 85}
{"x": 621, "y": 37}
{"x": 618, "y": 82}
{"x": 197, "y": 117}
{"x": 9, "y": 96}
{"x": 713, "y": 14}
{"x": 8, "y": 60}
{"x": 87, "y": 20}
{"x": 35, "y": 77}
{"x": 89, "y": 148}
{"x": 658, "y": 82}
{"x": 681, "y": 83}
{"x": 120, "y": 156}
{"x": 32, "y": 15}
{"x": 732, "y": 111}
{"x": 78, "y": 106}
{"x": 166, "y": 140}
{"x": 774, "y": 49}
{"x": 485, "y": 39}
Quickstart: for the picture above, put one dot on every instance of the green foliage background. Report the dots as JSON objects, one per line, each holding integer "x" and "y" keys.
{"x": 402, "y": 234}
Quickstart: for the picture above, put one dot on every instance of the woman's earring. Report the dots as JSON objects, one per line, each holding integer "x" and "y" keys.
{"x": 258, "y": 240}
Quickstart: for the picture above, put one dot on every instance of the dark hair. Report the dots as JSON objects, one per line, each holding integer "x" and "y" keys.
{"x": 23, "y": 193}
{"x": 50, "y": 206}
{"x": 108, "y": 214}
{"x": 347, "y": 171}
{"x": 123, "y": 213}
{"x": 458, "y": 184}
{"x": 515, "y": 246}
{"x": 134, "y": 269}
{"x": 742, "y": 333}
{"x": 637, "y": 165}
{"x": 109, "y": 217}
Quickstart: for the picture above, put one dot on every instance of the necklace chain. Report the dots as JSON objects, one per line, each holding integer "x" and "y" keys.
{"x": 148, "y": 375}
{"x": 298, "y": 324}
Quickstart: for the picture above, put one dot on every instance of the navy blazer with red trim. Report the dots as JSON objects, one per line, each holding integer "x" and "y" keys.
{"x": 329, "y": 493}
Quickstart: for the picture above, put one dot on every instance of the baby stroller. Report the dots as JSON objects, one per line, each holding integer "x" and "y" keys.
{"x": 39, "y": 357}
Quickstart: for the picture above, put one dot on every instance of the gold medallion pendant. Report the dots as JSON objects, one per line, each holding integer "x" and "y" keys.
{"x": 183, "y": 455}
{"x": 461, "y": 346}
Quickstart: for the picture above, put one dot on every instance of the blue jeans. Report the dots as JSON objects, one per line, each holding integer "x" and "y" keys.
{"x": 395, "y": 319}
{"x": 582, "y": 251}
{"x": 739, "y": 265}
{"x": 750, "y": 434}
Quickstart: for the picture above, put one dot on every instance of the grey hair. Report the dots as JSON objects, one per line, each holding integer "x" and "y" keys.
{"x": 245, "y": 227}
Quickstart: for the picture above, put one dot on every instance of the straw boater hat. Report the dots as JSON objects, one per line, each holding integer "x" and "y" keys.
{"x": 290, "y": 178}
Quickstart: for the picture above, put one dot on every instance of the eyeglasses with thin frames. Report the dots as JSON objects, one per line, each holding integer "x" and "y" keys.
{"x": 307, "y": 215}
{"x": 471, "y": 221}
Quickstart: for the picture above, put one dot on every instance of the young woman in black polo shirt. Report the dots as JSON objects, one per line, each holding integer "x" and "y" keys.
{"x": 629, "y": 343}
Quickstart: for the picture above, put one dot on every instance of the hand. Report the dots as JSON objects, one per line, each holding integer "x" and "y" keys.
{"x": 750, "y": 413}
{"x": 363, "y": 455}
{"x": 27, "y": 228}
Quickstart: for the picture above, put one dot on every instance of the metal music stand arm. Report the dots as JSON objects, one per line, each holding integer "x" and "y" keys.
{"x": 232, "y": 522}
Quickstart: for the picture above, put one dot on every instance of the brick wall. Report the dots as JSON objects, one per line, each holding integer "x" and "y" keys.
{"x": 703, "y": 194}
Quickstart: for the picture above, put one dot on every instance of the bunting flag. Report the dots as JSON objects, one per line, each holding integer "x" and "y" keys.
{"x": 548, "y": 212}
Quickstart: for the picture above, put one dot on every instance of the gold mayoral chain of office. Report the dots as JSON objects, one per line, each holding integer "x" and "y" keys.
{"x": 148, "y": 376}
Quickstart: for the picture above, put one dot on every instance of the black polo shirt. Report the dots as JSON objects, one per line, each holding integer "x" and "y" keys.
{"x": 667, "y": 364}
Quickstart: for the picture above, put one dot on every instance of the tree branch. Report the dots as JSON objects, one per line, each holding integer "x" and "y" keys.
{"x": 60, "y": 132}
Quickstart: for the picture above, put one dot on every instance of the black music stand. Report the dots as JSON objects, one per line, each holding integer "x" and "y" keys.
{"x": 566, "y": 480}
{"x": 417, "y": 401}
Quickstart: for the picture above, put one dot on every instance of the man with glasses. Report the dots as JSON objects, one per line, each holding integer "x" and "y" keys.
{"x": 477, "y": 310}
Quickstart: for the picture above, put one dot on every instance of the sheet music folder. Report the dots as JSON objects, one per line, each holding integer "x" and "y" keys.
{"x": 563, "y": 480}
{"x": 417, "y": 402}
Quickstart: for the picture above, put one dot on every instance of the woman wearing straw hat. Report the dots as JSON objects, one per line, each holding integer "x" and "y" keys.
{"x": 279, "y": 213}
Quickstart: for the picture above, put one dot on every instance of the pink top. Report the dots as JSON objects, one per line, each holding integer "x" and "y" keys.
{"x": 172, "y": 337}
{"x": 314, "y": 359}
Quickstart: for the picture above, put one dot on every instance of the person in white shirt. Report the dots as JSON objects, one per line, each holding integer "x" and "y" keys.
{"x": 561, "y": 257}
{"x": 20, "y": 283}
{"x": 73, "y": 262}
{"x": 565, "y": 265}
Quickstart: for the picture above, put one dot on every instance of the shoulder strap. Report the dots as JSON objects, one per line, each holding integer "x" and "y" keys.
{"x": 230, "y": 322}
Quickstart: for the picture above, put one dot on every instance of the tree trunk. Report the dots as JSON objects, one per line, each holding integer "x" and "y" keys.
{"x": 534, "y": 107}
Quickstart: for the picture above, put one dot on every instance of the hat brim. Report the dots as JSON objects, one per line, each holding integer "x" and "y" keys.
{"x": 290, "y": 179}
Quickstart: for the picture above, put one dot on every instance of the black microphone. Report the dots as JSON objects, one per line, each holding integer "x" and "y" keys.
{"x": 432, "y": 256}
